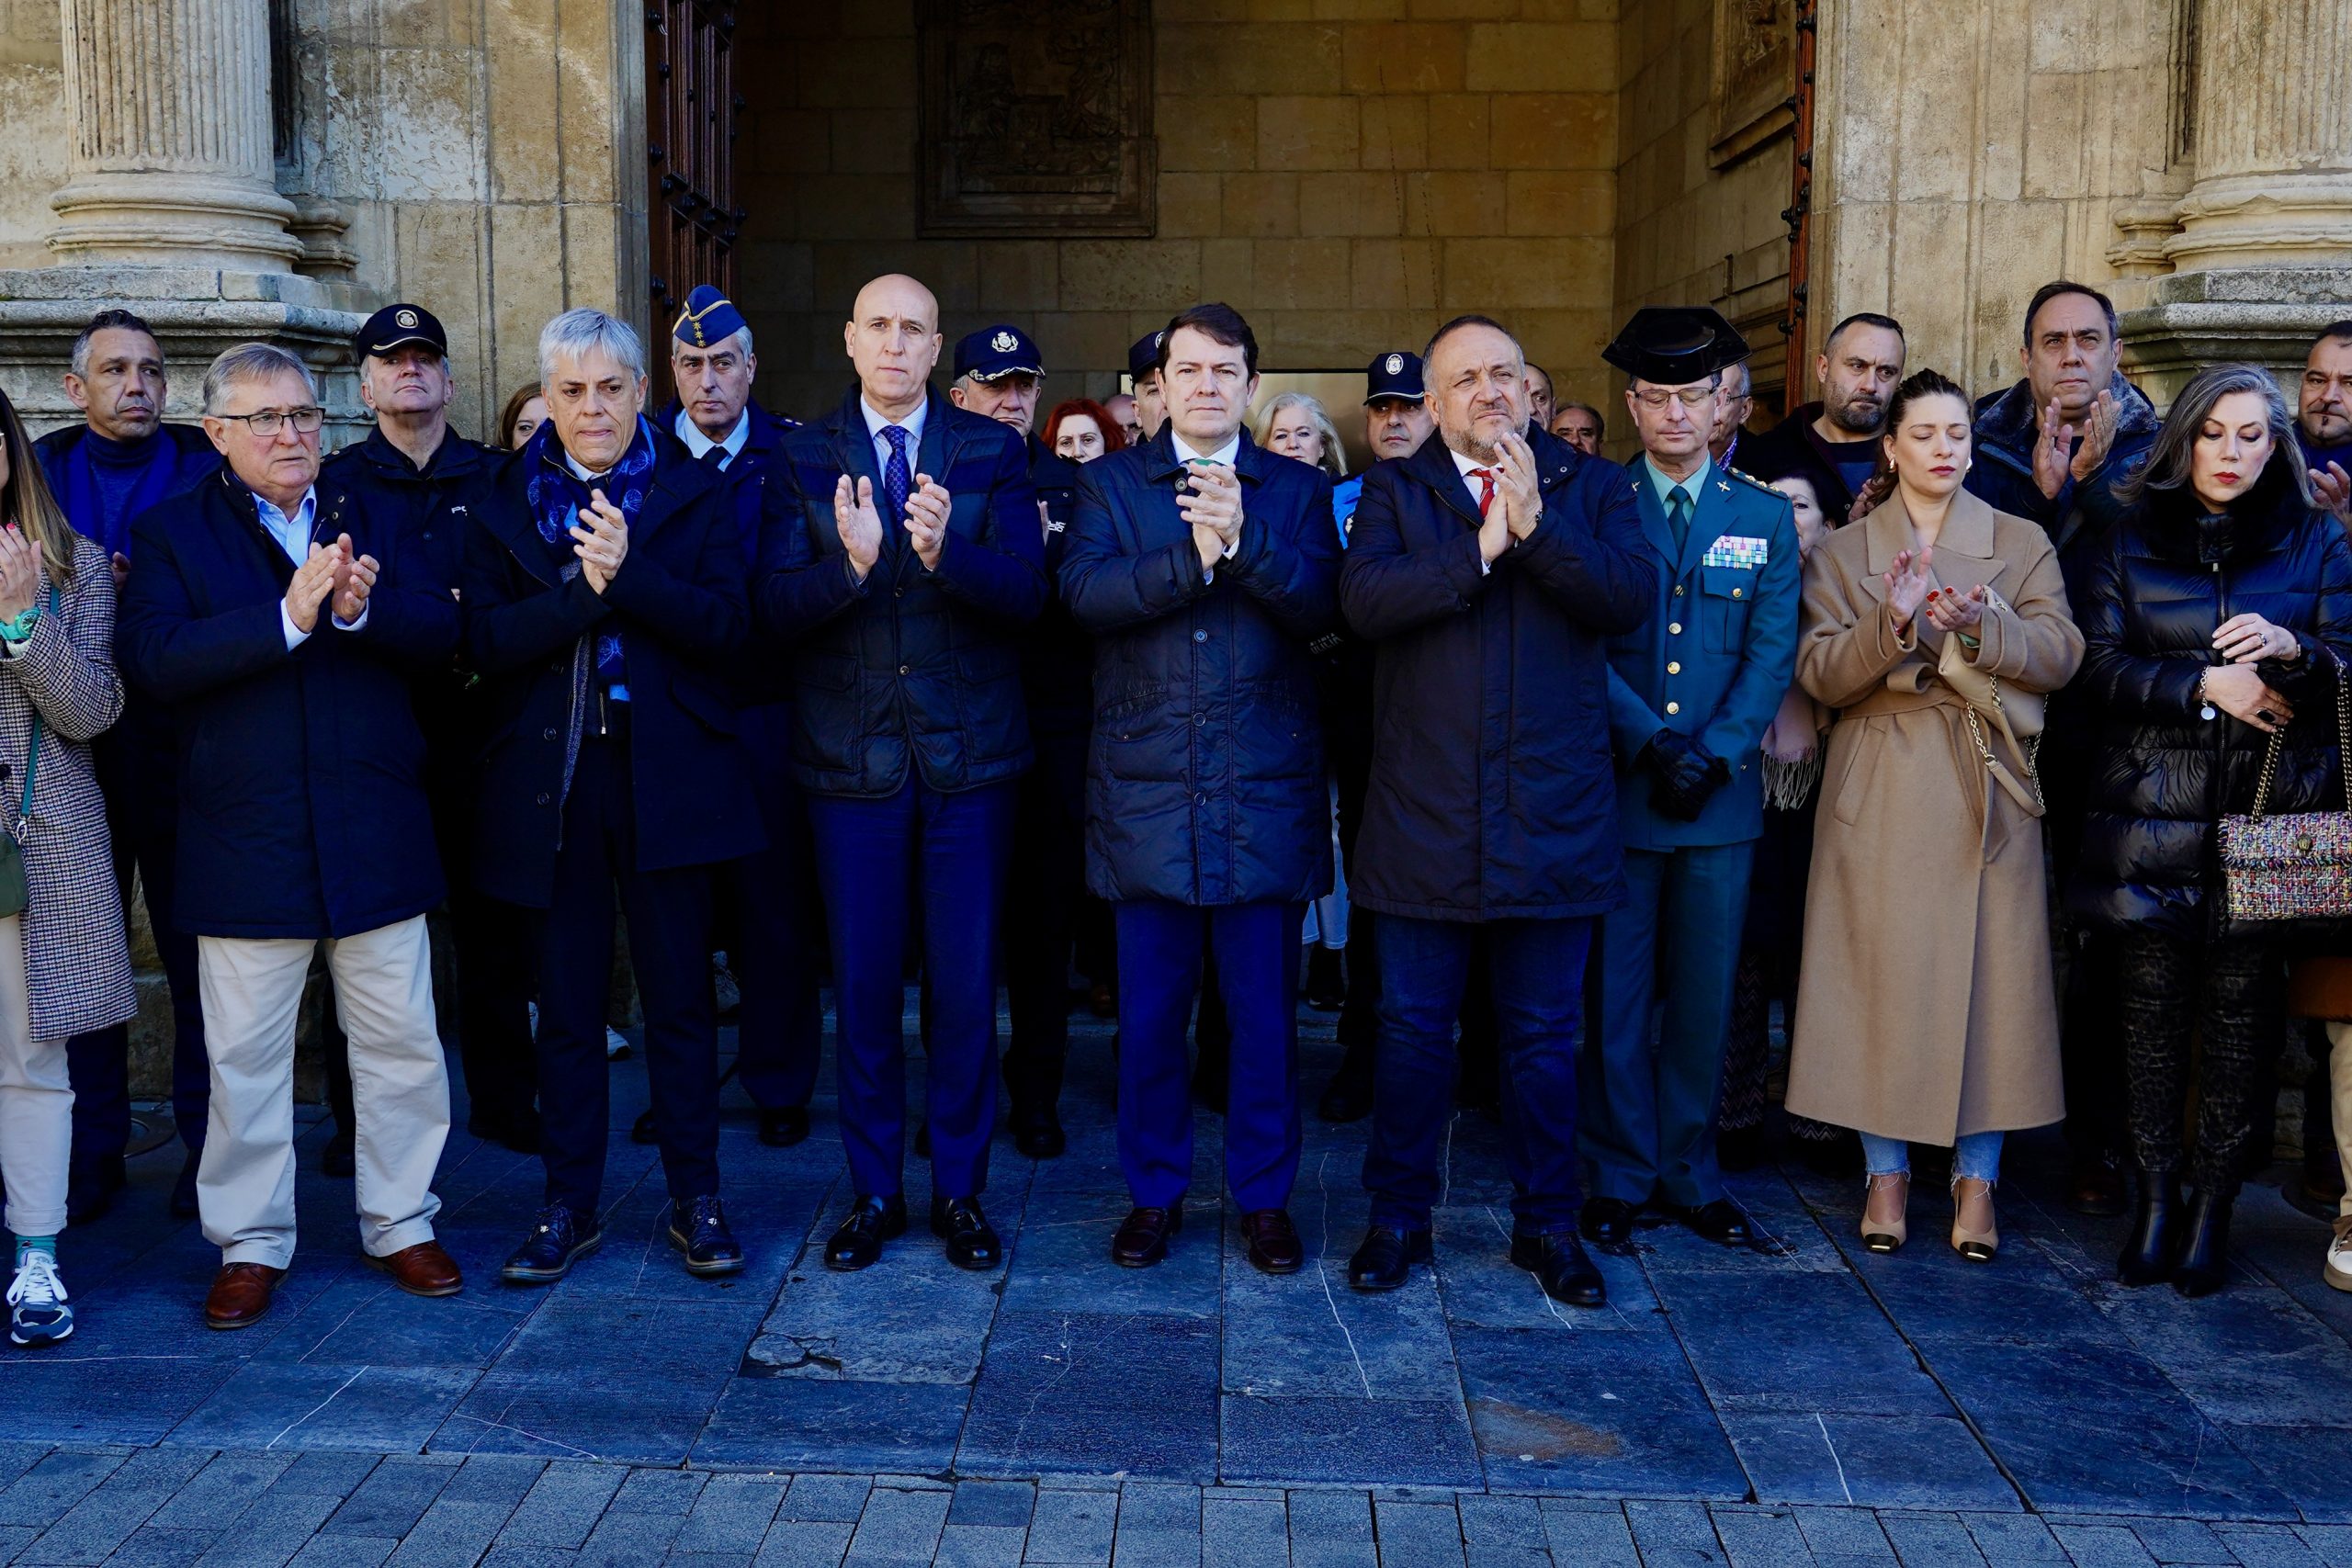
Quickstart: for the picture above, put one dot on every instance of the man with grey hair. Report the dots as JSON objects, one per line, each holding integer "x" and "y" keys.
{"x": 283, "y": 620}
{"x": 120, "y": 461}
{"x": 605, "y": 601}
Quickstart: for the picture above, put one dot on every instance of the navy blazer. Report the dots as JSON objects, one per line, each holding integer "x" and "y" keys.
{"x": 911, "y": 667}
{"x": 679, "y": 599}
{"x": 1714, "y": 655}
{"x": 1205, "y": 773}
{"x": 752, "y": 489}
{"x": 301, "y": 792}
{"x": 1491, "y": 794}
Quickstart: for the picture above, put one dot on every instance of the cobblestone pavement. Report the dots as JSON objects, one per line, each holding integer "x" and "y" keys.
{"x": 1817, "y": 1405}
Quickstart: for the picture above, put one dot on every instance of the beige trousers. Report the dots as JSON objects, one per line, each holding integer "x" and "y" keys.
{"x": 2339, "y": 1095}
{"x": 399, "y": 1087}
{"x": 35, "y": 1101}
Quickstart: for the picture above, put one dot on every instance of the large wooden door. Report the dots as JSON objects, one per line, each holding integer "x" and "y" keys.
{"x": 692, "y": 110}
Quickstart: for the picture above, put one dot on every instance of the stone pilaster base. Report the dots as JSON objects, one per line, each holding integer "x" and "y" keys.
{"x": 196, "y": 312}
{"x": 2176, "y": 325}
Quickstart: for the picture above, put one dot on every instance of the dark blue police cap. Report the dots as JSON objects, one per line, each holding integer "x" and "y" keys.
{"x": 709, "y": 317}
{"x": 1672, "y": 345}
{"x": 1143, "y": 355}
{"x": 1394, "y": 375}
{"x": 397, "y": 325}
{"x": 995, "y": 352}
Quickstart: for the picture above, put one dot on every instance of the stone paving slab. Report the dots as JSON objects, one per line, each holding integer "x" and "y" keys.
{"x": 1816, "y": 1405}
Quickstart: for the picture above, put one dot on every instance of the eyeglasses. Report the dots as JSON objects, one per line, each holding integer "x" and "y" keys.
{"x": 1689, "y": 397}
{"x": 269, "y": 422}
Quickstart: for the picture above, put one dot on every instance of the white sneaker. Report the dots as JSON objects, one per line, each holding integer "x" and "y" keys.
{"x": 2338, "y": 1271}
{"x": 38, "y": 1313}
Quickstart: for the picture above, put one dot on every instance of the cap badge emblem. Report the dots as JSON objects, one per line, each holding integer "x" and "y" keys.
{"x": 1393, "y": 365}
{"x": 1005, "y": 342}
{"x": 404, "y": 319}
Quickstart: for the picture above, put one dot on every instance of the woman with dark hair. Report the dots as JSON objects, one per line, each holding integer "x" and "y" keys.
{"x": 1932, "y": 627}
{"x": 526, "y": 410}
{"x": 1083, "y": 430}
{"x": 64, "y": 966}
{"x": 2217, "y": 612}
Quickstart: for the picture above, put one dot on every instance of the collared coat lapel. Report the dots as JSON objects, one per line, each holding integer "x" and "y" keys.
{"x": 1655, "y": 529}
{"x": 1433, "y": 464}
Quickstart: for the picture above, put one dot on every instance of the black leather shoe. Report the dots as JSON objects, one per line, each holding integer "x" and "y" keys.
{"x": 1722, "y": 1222}
{"x": 2151, "y": 1249}
{"x": 1142, "y": 1238}
{"x": 340, "y": 1158}
{"x": 1037, "y": 1131}
{"x": 698, "y": 1229}
{"x": 972, "y": 1242}
{"x": 1607, "y": 1222}
{"x": 2204, "y": 1266}
{"x": 1561, "y": 1264}
{"x": 782, "y": 1129}
{"x": 642, "y": 1130}
{"x": 871, "y": 1222}
{"x": 184, "y": 1205}
{"x": 1386, "y": 1257}
{"x": 1273, "y": 1243}
{"x": 561, "y": 1238}
{"x": 1348, "y": 1097}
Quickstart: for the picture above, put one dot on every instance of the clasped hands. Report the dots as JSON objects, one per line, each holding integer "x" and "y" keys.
{"x": 2056, "y": 458}
{"x": 1210, "y": 500}
{"x": 2237, "y": 687}
{"x": 1911, "y": 585}
{"x": 859, "y": 524}
{"x": 1686, "y": 774}
{"x": 333, "y": 575}
{"x": 1518, "y": 505}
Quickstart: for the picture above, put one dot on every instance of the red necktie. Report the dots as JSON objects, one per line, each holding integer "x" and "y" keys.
{"x": 1485, "y": 491}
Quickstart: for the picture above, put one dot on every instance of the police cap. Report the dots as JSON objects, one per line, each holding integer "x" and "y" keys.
{"x": 1396, "y": 374}
{"x": 993, "y": 352}
{"x": 396, "y": 326}
{"x": 709, "y": 317}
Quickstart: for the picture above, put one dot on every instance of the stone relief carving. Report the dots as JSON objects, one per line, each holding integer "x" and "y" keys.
{"x": 1755, "y": 74}
{"x": 1036, "y": 117}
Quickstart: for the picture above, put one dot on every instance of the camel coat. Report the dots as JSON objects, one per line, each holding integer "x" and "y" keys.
{"x": 1925, "y": 1010}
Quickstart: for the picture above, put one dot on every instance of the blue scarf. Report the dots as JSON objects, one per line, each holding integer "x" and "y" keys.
{"x": 558, "y": 495}
{"x": 106, "y": 483}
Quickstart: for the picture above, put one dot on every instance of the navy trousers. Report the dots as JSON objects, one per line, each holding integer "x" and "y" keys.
{"x": 1161, "y": 946}
{"x": 1536, "y": 978}
{"x": 669, "y": 916}
{"x": 780, "y": 1032}
{"x": 1041, "y": 916}
{"x": 141, "y": 817}
{"x": 1650, "y": 1107}
{"x": 872, "y": 857}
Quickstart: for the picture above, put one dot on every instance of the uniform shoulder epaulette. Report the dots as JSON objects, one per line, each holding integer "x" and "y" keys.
{"x": 1752, "y": 479}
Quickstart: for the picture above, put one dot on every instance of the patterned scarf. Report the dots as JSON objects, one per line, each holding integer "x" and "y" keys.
{"x": 556, "y": 495}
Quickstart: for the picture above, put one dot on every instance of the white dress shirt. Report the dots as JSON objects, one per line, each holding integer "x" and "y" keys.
{"x": 876, "y": 423}
{"x": 1223, "y": 456}
{"x": 1475, "y": 482}
{"x": 699, "y": 443}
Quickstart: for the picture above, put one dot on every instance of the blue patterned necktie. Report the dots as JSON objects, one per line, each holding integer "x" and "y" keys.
{"x": 896, "y": 480}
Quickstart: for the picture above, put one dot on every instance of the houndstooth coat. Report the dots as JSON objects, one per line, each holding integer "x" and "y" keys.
{"x": 75, "y": 954}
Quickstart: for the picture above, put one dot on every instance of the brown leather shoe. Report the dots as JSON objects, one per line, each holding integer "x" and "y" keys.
{"x": 1273, "y": 1241}
{"x": 1142, "y": 1238}
{"x": 240, "y": 1295}
{"x": 421, "y": 1270}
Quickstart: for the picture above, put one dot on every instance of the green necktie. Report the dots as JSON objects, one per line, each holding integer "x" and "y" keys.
{"x": 1678, "y": 516}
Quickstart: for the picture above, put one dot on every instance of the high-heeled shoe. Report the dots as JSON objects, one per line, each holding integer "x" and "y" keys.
{"x": 1977, "y": 1246}
{"x": 2151, "y": 1250}
{"x": 1884, "y": 1235}
{"x": 2204, "y": 1266}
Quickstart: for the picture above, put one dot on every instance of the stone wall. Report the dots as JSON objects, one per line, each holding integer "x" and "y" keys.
{"x": 1347, "y": 173}
{"x": 489, "y": 159}
{"x": 1696, "y": 226}
{"x": 33, "y": 126}
{"x": 1968, "y": 154}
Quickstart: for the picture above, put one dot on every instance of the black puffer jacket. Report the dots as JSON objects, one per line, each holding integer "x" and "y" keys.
{"x": 2161, "y": 776}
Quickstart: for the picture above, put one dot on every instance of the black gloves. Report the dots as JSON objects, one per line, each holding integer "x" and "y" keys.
{"x": 1687, "y": 774}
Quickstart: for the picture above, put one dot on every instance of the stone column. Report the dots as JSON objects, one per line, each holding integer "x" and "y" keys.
{"x": 171, "y": 163}
{"x": 2274, "y": 137}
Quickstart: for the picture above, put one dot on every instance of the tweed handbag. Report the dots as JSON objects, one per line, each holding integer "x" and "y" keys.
{"x": 2296, "y": 867}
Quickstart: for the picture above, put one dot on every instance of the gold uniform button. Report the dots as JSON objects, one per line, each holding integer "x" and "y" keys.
{"x": 1736, "y": 592}
{"x": 1674, "y": 628}
{"x": 1673, "y": 709}
{"x": 1674, "y": 668}
{"x": 1678, "y": 591}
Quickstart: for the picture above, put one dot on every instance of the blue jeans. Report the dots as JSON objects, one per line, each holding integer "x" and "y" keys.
{"x": 1977, "y": 1157}
{"x": 1537, "y": 980}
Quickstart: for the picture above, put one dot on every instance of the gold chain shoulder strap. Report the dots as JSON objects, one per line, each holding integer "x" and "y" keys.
{"x": 2342, "y": 743}
{"x": 1984, "y": 749}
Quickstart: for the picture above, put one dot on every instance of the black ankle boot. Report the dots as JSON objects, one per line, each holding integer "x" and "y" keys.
{"x": 2149, "y": 1252}
{"x": 2205, "y": 1249}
